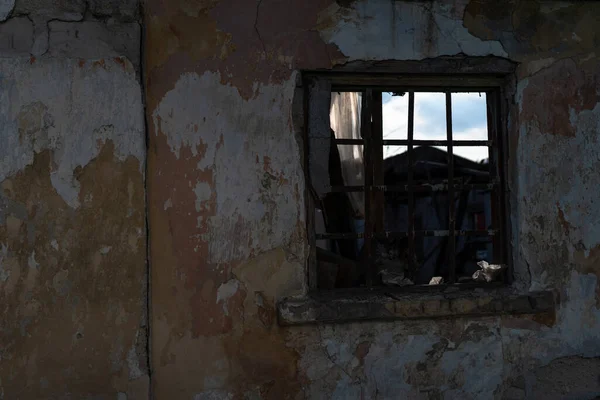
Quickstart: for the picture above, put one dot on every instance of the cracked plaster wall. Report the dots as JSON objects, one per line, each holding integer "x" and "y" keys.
{"x": 73, "y": 274}
{"x": 227, "y": 212}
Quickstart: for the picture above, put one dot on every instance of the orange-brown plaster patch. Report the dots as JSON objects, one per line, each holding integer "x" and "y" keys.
{"x": 562, "y": 220}
{"x": 228, "y": 37}
{"x": 100, "y": 63}
{"x": 185, "y": 229}
{"x": 535, "y": 322}
{"x": 553, "y": 93}
{"x": 121, "y": 62}
{"x": 267, "y": 362}
{"x": 67, "y": 323}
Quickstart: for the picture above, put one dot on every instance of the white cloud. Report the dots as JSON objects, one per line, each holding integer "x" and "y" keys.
{"x": 468, "y": 119}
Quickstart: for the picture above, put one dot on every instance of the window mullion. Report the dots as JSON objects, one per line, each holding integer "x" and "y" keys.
{"x": 494, "y": 174}
{"x": 451, "y": 204}
{"x": 377, "y": 160}
{"x": 366, "y": 126}
{"x": 411, "y": 189}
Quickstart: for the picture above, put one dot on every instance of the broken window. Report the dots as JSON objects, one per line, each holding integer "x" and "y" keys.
{"x": 406, "y": 179}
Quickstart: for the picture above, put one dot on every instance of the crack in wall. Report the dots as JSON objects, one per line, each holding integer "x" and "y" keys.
{"x": 333, "y": 362}
{"x": 256, "y": 28}
{"x": 149, "y": 360}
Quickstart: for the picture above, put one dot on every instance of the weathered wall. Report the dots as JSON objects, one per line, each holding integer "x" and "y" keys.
{"x": 227, "y": 212}
{"x": 72, "y": 205}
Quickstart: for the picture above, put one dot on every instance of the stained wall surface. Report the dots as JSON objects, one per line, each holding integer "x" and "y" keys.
{"x": 221, "y": 165}
{"x": 72, "y": 202}
{"x": 227, "y": 214}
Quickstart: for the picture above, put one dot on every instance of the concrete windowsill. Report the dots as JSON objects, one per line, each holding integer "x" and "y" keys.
{"x": 382, "y": 304}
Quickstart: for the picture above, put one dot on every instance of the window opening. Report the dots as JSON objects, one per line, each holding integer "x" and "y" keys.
{"x": 406, "y": 184}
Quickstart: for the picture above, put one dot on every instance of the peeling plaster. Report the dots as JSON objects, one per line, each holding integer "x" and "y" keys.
{"x": 37, "y": 114}
{"x": 51, "y": 253}
{"x": 382, "y": 29}
{"x": 246, "y": 195}
{"x": 570, "y": 184}
{"x": 226, "y": 291}
{"x": 241, "y": 186}
{"x": 31, "y": 262}
{"x": 6, "y": 7}
{"x": 203, "y": 193}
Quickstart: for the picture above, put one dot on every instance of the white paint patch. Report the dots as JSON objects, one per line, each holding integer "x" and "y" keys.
{"x": 67, "y": 187}
{"x": 133, "y": 363}
{"x": 4, "y": 274}
{"x": 31, "y": 262}
{"x": 213, "y": 395}
{"x": 254, "y": 211}
{"x": 404, "y": 30}
{"x": 54, "y": 114}
{"x": 521, "y": 86}
{"x": 105, "y": 250}
{"x": 168, "y": 204}
{"x": 537, "y": 65}
{"x": 203, "y": 193}
{"x": 226, "y": 291}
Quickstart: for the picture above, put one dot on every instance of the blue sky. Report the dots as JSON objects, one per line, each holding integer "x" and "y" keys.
{"x": 469, "y": 121}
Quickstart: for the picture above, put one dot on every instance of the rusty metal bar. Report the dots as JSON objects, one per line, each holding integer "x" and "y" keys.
{"x": 402, "y": 234}
{"x": 367, "y": 100}
{"x": 404, "y": 142}
{"x": 409, "y": 186}
{"x": 377, "y": 197}
{"x": 310, "y": 197}
{"x": 349, "y": 141}
{"x": 340, "y": 236}
{"x": 419, "y": 187}
{"x": 451, "y": 205}
{"x": 502, "y": 143}
{"x": 404, "y": 88}
{"x": 464, "y": 232}
{"x": 418, "y": 83}
{"x": 416, "y": 142}
{"x": 492, "y": 117}
{"x": 347, "y": 189}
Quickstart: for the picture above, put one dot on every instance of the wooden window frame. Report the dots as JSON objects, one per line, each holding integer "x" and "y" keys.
{"x": 372, "y": 85}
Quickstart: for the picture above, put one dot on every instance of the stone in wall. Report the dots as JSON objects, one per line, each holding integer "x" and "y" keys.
{"x": 16, "y": 36}
{"x": 89, "y": 39}
{"x": 6, "y": 7}
{"x": 123, "y": 10}
{"x": 73, "y": 29}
